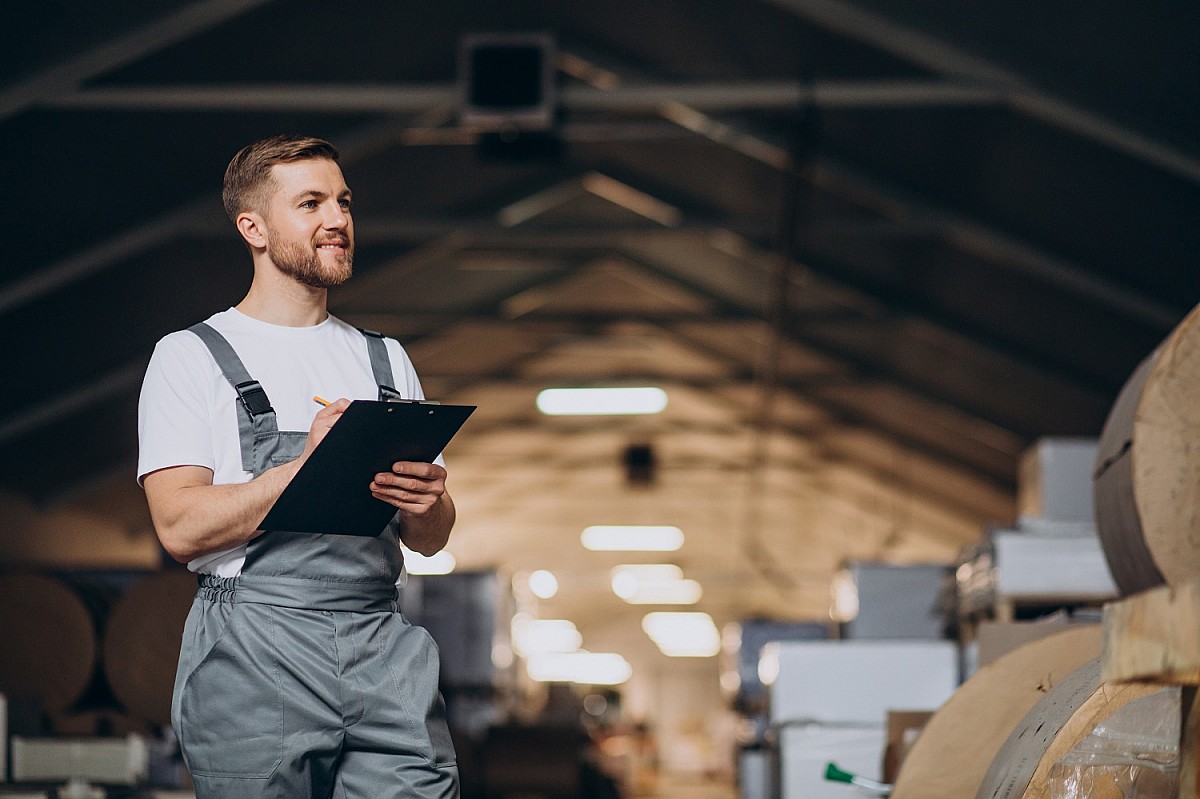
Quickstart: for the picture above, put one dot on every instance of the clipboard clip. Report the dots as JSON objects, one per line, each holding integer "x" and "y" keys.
{"x": 389, "y": 394}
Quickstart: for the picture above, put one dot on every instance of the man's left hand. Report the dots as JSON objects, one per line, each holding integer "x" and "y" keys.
{"x": 413, "y": 487}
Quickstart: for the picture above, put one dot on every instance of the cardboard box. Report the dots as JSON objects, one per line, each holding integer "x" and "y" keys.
{"x": 1029, "y": 564}
{"x": 805, "y": 750}
{"x": 1054, "y": 480}
{"x": 903, "y": 727}
{"x": 857, "y": 682}
{"x": 897, "y": 602}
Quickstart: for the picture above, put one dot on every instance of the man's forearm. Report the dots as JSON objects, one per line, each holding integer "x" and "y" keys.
{"x": 195, "y": 519}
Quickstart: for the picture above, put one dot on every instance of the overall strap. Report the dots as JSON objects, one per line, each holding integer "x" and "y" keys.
{"x": 381, "y": 364}
{"x": 257, "y": 416}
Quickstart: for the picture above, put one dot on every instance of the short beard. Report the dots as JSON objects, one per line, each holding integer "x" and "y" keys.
{"x": 304, "y": 265}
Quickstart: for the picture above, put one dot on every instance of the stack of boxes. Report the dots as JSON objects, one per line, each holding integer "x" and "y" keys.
{"x": 1055, "y": 551}
{"x": 755, "y": 769}
{"x": 831, "y": 701}
{"x": 1049, "y": 566}
{"x": 841, "y": 701}
{"x": 834, "y": 701}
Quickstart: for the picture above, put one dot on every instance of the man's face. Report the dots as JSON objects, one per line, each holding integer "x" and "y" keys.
{"x": 310, "y": 230}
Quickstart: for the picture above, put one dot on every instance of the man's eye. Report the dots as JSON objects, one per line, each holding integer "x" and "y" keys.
{"x": 309, "y": 204}
{"x": 345, "y": 204}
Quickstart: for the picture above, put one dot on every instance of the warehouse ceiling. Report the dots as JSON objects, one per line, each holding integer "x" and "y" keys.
{"x": 872, "y": 249}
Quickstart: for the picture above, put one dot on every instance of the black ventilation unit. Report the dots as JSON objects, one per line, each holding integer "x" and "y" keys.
{"x": 507, "y": 81}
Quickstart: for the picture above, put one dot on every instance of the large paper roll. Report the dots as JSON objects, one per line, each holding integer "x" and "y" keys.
{"x": 1147, "y": 480}
{"x": 141, "y": 643}
{"x": 954, "y": 751}
{"x": 48, "y": 639}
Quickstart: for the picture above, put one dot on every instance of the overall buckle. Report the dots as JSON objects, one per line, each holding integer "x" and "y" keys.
{"x": 253, "y": 398}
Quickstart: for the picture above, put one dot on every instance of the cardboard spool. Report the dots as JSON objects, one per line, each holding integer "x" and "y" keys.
{"x": 1147, "y": 475}
{"x": 48, "y": 640}
{"x": 1002, "y": 730}
{"x": 1061, "y": 719}
{"x": 141, "y": 643}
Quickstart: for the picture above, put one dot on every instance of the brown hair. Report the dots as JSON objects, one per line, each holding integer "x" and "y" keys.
{"x": 248, "y": 176}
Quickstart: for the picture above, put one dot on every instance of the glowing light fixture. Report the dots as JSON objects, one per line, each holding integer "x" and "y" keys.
{"x": 844, "y": 596}
{"x": 654, "y": 584}
{"x": 601, "y": 401}
{"x": 683, "y": 634}
{"x": 626, "y": 578}
{"x": 674, "y": 592}
{"x": 632, "y": 538}
{"x": 768, "y": 663}
{"x": 532, "y": 636}
{"x": 416, "y": 563}
{"x": 543, "y": 584}
{"x": 584, "y": 668}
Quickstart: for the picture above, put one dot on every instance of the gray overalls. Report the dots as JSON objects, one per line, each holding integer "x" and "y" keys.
{"x": 300, "y": 677}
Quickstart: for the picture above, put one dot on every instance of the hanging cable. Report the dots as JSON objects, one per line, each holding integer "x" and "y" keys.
{"x": 786, "y": 270}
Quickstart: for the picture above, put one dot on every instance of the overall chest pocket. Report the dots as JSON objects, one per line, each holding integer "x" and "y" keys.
{"x": 277, "y": 448}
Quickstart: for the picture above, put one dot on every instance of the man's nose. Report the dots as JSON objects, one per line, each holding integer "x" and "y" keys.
{"x": 335, "y": 216}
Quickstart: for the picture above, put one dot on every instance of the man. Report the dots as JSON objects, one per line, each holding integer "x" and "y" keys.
{"x": 298, "y": 677}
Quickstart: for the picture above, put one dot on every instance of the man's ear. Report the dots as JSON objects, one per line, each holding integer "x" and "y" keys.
{"x": 253, "y": 229}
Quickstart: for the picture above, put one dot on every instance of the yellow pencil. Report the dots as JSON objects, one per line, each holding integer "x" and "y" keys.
{"x": 322, "y": 401}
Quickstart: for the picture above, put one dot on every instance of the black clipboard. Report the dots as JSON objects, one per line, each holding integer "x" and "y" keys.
{"x": 331, "y": 492}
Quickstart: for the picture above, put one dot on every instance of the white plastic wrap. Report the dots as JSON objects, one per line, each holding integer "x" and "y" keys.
{"x": 1134, "y": 754}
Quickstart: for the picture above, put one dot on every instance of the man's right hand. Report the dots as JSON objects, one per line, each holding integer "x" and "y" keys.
{"x": 325, "y": 419}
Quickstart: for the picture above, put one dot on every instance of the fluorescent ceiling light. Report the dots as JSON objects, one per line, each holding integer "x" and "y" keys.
{"x": 683, "y": 634}
{"x": 584, "y": 668}
{"x": 543, "y": 584}
{"x": 416, "y": 563}
{"x": 632, "y": 538}
{"x": 654, "y": 584}
{"x": 601, "y": 401}
{"x": 674, "y": 592}
{"x": 532, "y": 636}
{"x": 626, "y": 578}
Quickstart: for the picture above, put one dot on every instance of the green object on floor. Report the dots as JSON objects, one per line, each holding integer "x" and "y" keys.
{"x": 835, "y": 774}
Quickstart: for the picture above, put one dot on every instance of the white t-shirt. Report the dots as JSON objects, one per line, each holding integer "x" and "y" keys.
{"x": 187, "y": 414}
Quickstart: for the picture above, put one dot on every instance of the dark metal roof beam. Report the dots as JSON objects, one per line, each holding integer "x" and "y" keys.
{"x": 809, "y": 330}
{"x": 854, "y": 22}
{"x": 202, "y": 213}
{"x": 712, "y": 97}
{"x": 487, "y": 231}
{"x": 999, "y": 249}
{"x": 103, "y": 389}
{"x": 850, "y": 419}
{"x": 802, "y": 334}
{"x": 1005, "y": 250}
{"x": 65, "y": 78}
